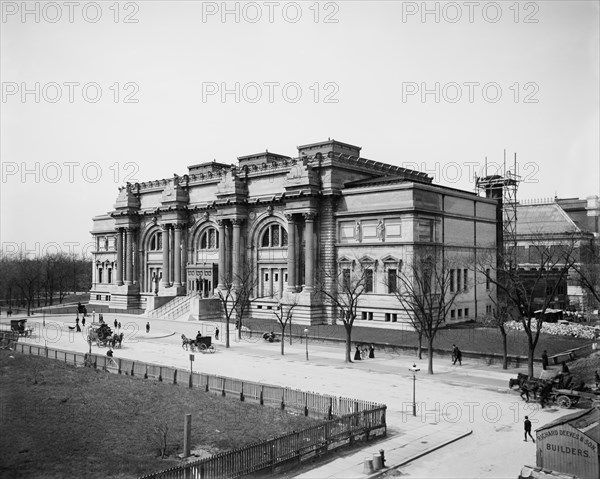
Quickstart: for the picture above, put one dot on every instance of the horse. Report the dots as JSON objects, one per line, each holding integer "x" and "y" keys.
{"x": 117, "y": 340}
{"x": 187, "y": 342}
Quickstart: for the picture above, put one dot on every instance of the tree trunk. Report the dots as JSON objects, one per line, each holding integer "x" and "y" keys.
{"x": 530, "y": 354}
{"x": 283, "y": 340}
{"x": 348, "y": 342}
{"x": 227, "y": 331}
{"x": 420, "y": 347}
{"x": 504, "y": 349}
{"x": 430, "y": 358}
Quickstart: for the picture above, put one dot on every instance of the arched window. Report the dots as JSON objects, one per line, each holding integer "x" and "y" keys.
{"x": 209, "y": 239}
{"x": 156, "y": 241}
{"x": 274, "y": 236}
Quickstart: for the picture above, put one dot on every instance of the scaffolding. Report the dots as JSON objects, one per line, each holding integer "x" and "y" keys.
{"x": 503, "y": 187}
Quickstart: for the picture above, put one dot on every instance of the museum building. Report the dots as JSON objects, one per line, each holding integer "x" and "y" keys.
{"x": 291, "y": 223}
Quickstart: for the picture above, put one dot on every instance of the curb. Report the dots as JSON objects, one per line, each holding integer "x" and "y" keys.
{"x": 419, "y": 455}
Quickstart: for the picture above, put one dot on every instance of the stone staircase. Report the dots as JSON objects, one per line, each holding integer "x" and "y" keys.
{"x": 174, "y": 309}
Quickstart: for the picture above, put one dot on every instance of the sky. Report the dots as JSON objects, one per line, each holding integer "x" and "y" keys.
{"x": 97, "y": 94}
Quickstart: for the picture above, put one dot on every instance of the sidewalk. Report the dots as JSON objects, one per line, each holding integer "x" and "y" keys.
{"x": 414, "y": 441}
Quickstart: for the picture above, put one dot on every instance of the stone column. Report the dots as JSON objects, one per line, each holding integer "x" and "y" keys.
{"x": 309, "y": 281}
{"x": 119, "y": 257}
{"x": 177, "y": 255}
{"x": 222, "y": 252}
{"x": 166, "y": 256}
{"x": 235, "y": 252}
{"x": 128, "y": 255}
{"x": 291, "y": 253}
{"x": 184, "y": 256}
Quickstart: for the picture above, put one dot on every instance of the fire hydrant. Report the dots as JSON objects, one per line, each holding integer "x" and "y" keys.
{"x": 382, "y": 454}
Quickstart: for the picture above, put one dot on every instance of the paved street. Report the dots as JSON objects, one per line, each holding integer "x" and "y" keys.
{"x": 471, "y": 397}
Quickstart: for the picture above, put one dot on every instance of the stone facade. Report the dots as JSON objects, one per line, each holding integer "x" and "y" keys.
{"x": 288, "y": 221}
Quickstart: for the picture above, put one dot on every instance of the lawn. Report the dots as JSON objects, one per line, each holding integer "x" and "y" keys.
{"x": 79, "y": 422}
{"x": 469, "y": 337}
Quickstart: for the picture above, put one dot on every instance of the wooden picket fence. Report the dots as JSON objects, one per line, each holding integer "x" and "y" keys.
{"x": 347, "y": 420}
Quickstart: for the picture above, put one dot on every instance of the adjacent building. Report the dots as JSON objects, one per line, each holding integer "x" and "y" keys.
{"x": 292, "y": 223}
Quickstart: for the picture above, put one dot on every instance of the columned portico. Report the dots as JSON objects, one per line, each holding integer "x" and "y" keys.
{"x": 128, "y": 255}
{"x": 309, "y": 281}
{"x": 235, "y": 252}
{"x": 291, "y": 253}
{"x": 177, "y": 255}
{"x": 119, "y": 256}
{"x": 166, "y": 255}
{"x": 222, "y": 275}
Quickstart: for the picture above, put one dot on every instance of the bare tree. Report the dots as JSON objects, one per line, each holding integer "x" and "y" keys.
{"x": 424, "y": 292}
{"x": 236, "y": 297}
{"x": 284, "y": 313}
{"x": 502, "y": 313}
{"x": 532, "y": 291}
{"x": 350, "y": 282}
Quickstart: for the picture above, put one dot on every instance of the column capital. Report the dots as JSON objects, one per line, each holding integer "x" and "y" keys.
{"x": 165, "y": 226}
{"x": 131, "y": 229}
{"x": 309, "y": 216}
{"x": 220, "y": 222}
{"x": 289, "y": 217}
{"x": 178, "y": 226}
{"x": 237, "y": 221}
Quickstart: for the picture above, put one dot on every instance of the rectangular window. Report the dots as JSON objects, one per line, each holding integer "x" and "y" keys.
{"x": 458, "y": 288}
{"x": 425, "y": 230}
{"x": 392, "y": 277}
{"x": 466, "y": 278}
{"x": 487, "y": 279}
{"x": 98, "y": 297}
{"x": 363, "y": 315}
{"x": 387, "y": 317}
{"x": 368, "y": 281}
{"x": 370, "y": 316}
{"x": 460, "y": 313}
{"x": 488, "y": 308}
{"x": 452, "y": 314}
{"x": 452, "y": 281}
{"x": 394, "y": 317}
{"x": 466, "y": 312}
{"x": 107, "y": 297}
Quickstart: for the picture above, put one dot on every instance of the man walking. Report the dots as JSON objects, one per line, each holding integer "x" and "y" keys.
{"x": 527, "y": 425}
{"x": 217, "y": 333}
{"x": 148, "y": 327}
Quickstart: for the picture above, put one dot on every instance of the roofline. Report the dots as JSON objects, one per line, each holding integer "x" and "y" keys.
{"x": 328, "y": 142}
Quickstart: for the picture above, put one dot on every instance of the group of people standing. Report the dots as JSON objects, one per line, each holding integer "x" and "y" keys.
{"x": 362, "y": 352}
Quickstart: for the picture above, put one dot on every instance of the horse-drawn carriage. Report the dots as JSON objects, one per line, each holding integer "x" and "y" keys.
{"x": 560, "y": 389}
{"x": 18, "y": 326}
{"x": 202, "y": 344}
{"x": 102, "y": 335}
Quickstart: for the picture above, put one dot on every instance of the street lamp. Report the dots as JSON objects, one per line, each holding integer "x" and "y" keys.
{"x": 414, "y": 370}
{"x": 306, "y": 332}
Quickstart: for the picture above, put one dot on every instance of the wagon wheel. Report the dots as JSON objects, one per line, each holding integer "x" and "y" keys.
{"x": 202, "y": 347}
{"x": 211, "y": 348}
{"x": 563, "y": 401}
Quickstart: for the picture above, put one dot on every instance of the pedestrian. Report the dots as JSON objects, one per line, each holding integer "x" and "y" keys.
{"x": 78, "y": 328}
{"x": 371, "y": 352}
{"x": 83, "y": 321}
{"x": 77, "y": 320}
{"x": 357, "y": 354}
{"x": 544, "y": 360}
{"x": 527, "y": 426}
{"x": 148, "y": 327}
{"x": 217, "y": 333}
{"x": 119, "y": 325}
{"x": 116, "y": 323}
{"x": 109, "y": 353}
{"x": 457, "y": 355}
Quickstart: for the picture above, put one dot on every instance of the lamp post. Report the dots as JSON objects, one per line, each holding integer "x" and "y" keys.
{"x": 414, "y": 370}
{"x": 306, "y": 332}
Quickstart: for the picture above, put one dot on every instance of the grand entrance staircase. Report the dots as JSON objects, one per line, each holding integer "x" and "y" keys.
{"x": 189, "y": 308}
